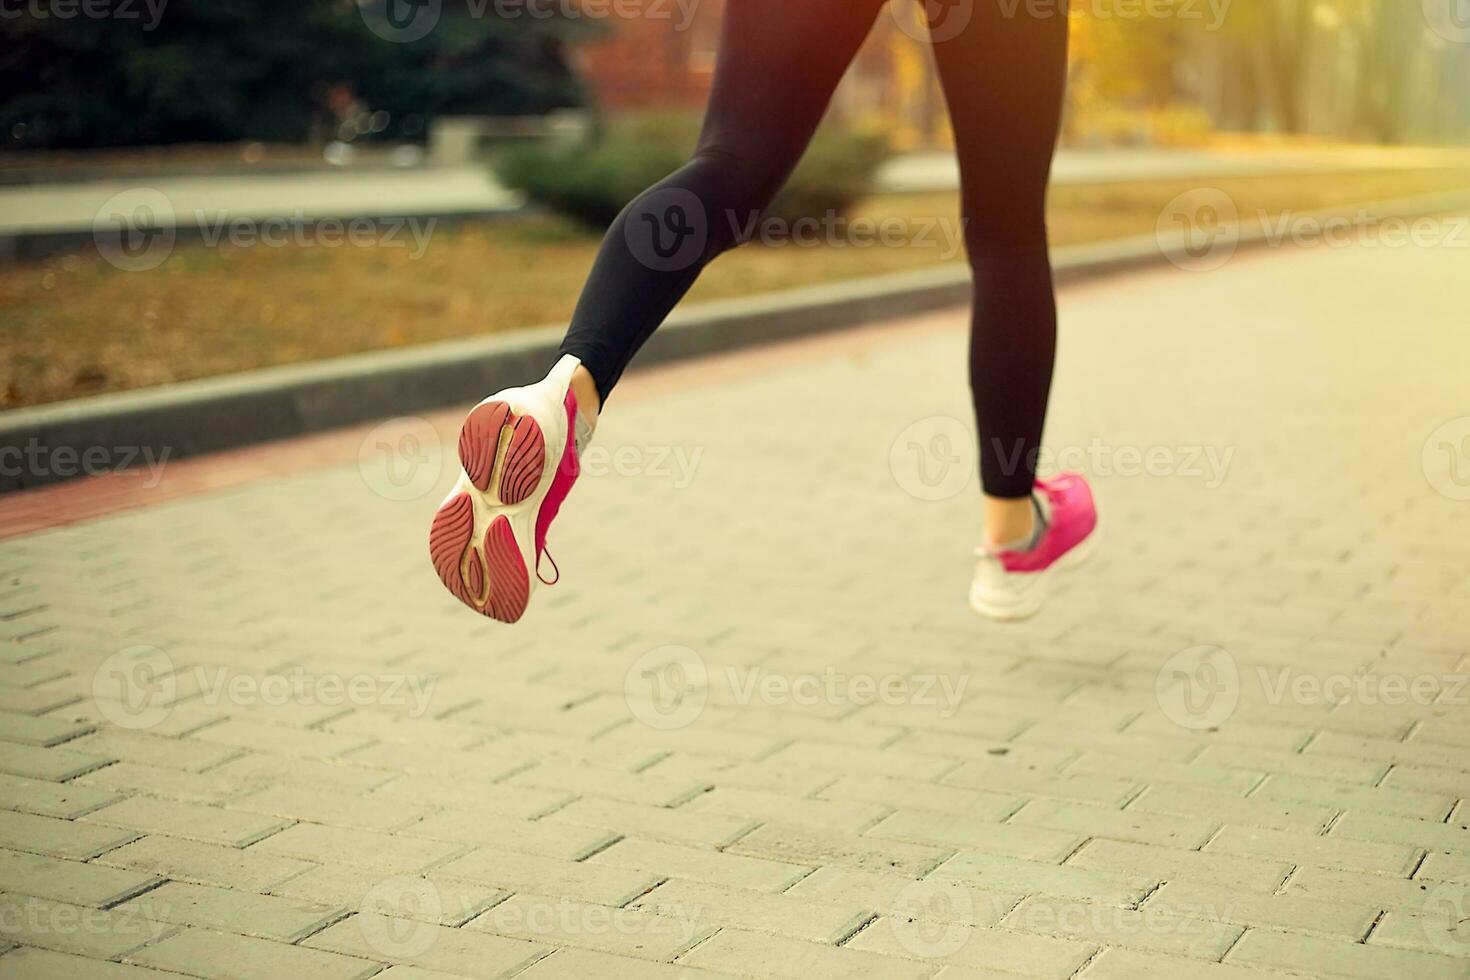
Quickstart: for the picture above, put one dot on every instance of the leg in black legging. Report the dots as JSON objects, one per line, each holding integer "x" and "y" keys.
{"x": 1004, "y": 77}
{"x": 778, "y": 64}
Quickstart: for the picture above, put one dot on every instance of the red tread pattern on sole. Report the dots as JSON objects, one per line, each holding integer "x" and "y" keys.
{"x": 491, "y": 580}
{"x": 525, "y": 457}
{"x": 479, "y": 438}
{"x": 510, "y": 586}
{"x": 449, "y": 539}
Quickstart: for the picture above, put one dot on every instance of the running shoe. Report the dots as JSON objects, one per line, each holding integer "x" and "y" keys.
{"x": 519, "y": 461}
{"x": 1011, "y": 585}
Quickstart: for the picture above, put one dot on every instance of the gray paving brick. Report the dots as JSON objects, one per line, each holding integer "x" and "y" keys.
{"x": 1305, "y": 954}
{"x": 601, "y": 882}
{"x": 72, "y": 882}
{"x": 460, "y": 952}
{"x": 67, "y": 928}
{"x": 359, "y": 848}
{"x": 204, "y": 823}
{"x": 47, "y": 799}
{"x": 205, "y": 864}
{"x": 55, "y": 764}
{"x": 228, "y": 910}
{"x": 720, "y": 867}
{"x": 26, "y": 963}
{"x": 201, "y": 952}
{"x": 59, "y": 838}
{"x": 1324, "y": 852}
{"x": 429, "y": 898}
{"x": 751, "y": 953}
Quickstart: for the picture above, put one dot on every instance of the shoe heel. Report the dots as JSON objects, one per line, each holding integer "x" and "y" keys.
{"x": 498, "y": 448}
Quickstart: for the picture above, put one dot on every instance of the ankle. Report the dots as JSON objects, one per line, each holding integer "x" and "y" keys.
{"x": 1009, "y": 523}
{"x": 584, "y": 389}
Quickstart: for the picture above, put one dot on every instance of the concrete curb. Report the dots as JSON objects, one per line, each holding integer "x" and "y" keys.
{"x": 275, "y": 403}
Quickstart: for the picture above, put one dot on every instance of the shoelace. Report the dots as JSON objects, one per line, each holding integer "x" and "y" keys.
{"x": 546, "y": 553}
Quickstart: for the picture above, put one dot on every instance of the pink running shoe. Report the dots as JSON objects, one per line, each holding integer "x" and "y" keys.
{"x": 1011, "y": 585}
{"x": 520, "y": 461}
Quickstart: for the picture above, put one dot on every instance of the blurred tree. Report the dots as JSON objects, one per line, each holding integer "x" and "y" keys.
{"x": 219, "y": 70}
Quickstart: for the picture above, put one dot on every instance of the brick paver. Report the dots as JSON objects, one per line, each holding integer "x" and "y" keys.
{"x": 755, "y": 732}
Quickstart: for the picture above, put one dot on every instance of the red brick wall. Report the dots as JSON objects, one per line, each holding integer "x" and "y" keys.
{"x": 650, "y": 62}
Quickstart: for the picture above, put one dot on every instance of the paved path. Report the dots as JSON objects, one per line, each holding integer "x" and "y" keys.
{"x": 755, "y": 732}
{"x": 193, "y": 200}
{"x": 939, "y": 171}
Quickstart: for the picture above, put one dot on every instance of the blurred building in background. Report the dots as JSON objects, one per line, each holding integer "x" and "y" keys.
{"x": 650, "y": 64}
{"x": 653, "y": 63}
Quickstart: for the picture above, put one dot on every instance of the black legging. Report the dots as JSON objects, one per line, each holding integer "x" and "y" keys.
{"x": 779, "y": 61}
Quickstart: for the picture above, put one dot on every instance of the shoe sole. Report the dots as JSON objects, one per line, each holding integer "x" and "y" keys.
{"x": 503, "y": 454}
{"x": 1035, "y": 599}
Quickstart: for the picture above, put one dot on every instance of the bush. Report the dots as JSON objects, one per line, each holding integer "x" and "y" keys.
{"x": 592, "y": 184}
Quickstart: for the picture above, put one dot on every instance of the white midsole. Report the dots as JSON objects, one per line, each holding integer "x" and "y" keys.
{"x": 523, "y": 401}
{"x": 1013, "y": 606}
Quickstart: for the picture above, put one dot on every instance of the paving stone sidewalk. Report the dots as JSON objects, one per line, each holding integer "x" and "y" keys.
{"x": 754, "y": 731}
